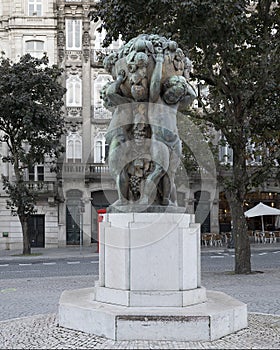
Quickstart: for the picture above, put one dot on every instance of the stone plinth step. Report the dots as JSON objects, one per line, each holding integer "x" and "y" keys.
{"x": 220, "y": 315}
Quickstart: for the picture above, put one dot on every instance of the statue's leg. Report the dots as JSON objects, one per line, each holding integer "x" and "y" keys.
{"x": 166, "y": 190}
{"x": 122, "y": 184}
{"x": 148, "y": 196}
{"x": 174, "y": 162}
{"x": 160, "y": 158}
{"x": 173, "y": 191}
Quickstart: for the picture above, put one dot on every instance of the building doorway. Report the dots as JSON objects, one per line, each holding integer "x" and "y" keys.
{"x": 73, "y": 217}
{"x": 72, "y": 225}
{"x": 36, "y": 227}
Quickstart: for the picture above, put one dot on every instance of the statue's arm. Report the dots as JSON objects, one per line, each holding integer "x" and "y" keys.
{"x": 189, "y": 97}
{"x": 155, "y": 84}
{"x": 113, "y": 92}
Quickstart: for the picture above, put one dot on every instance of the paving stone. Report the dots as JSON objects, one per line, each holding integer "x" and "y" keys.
{"x": 42, "y": 332}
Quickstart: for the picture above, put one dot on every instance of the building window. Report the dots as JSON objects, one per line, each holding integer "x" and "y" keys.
{"x": 99, "y": 52}
{"x": 35, "y": 48}
{"x": 255, "y": 154}
{"x": 100, "y": 149}
{"x": 74, "y": 147}
{"x": 73, "y": 34}
{"x": 99, "y": 82}
{"x": 99, "y": 37}
{"x": 34, "y": 7}
{"x": 74, "y": 91}
{"x": 100, "y": 112}
{"x": 225, "y": 152}
{"x": 36, "y": 173}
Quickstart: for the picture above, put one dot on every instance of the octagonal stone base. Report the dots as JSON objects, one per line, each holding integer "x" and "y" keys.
{"x": 220, "y": 315}
{"x": 149, "y": 284}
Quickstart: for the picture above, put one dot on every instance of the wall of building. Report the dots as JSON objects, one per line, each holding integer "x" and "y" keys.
{"x": 16, "y": 29}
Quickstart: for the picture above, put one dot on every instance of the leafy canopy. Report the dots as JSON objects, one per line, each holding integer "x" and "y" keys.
{"x": 31, "y": 120}
{"x": 234, "y": 46}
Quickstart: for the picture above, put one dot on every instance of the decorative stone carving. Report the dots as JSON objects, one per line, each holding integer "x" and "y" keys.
{"x": 150, "y": 76}
{"x": 86, "y": 45}
{"x": 73, "y": 126}
{"x": 73, "y": 70}
{"x": 74, "y": 112}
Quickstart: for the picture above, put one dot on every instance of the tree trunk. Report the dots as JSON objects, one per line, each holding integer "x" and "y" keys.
{"x": 241, "y": 238}
{"x": 25, "y": 233}
{"x": 236, "y": 196}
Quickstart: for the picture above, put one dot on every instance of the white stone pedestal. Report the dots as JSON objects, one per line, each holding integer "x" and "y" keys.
{"x": 149, "y": 284}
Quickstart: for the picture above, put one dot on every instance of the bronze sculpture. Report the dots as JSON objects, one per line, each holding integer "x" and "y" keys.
{"x": 150, "y": 81}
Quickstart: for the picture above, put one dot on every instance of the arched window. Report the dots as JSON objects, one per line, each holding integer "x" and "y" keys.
{"x": 225, "y": 152}
{"x": 74, "y": 147}
{"x": 99, "y": 82}
{"x": 35, "y": 48}
{"x": 74, "y": 91}
{"x": 100, "y": 148}
{"x": 73, "y": 34}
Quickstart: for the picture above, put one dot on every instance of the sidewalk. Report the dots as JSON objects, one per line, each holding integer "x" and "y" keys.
{"x": 50, "y": 253}
{"x": 91, "y": 251}
{"x": 254, "y": 247}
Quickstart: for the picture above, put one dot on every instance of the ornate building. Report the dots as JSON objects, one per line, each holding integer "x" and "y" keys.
{"x": 29, "y": 27}
{"x": 66, "y": 209}
{"x": 83, "y": 179}
{"x": 69, "y": 200}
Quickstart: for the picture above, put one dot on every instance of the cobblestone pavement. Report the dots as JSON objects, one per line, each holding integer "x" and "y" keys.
{"x": 42, "y": 332}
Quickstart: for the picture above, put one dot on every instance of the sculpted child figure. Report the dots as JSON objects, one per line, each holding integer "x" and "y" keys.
{"x": 150, "y": 85}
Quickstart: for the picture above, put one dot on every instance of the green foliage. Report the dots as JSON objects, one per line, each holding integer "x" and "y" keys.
{"x": 234, "y": 47}
{"x": 31, "y": 121}
{"x": 30, "y": 101}
{"x": 21, "y": 199}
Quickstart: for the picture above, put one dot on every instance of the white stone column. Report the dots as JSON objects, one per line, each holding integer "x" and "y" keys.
{"x": 150, "y": 259}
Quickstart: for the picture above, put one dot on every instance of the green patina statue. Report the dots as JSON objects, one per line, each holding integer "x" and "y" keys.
{"x": 150, "y": 83}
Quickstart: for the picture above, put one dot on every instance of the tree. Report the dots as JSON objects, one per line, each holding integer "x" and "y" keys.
{"x": 31, "y": 124}
{"x": 234, "y": 46}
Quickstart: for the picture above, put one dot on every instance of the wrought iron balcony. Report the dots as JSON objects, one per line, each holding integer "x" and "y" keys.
{"x": 83, "y": 171}
{"x": 43, "y": 188}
